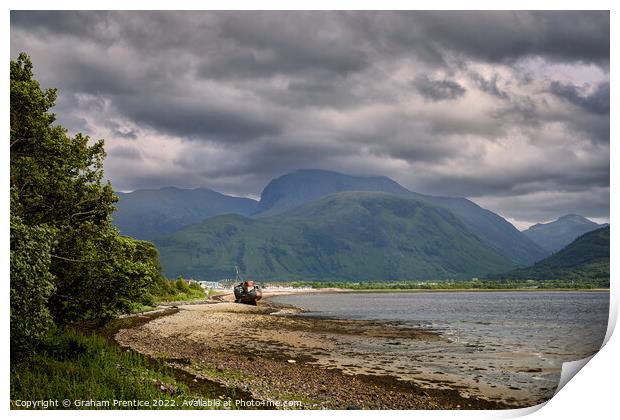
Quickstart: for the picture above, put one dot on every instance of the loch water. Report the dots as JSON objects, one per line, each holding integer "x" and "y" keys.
{"x": 507, "y": 344}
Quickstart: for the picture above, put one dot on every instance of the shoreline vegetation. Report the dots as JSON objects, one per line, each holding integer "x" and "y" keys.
{"x": 409, "y": 290}
{"x": 168, "y": 291}
{"x": 87, "y": 367}
{"x": 464, "y": 285}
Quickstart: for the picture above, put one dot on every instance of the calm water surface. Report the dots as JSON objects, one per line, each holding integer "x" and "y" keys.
{"x": 513, "y": 341}
{"x": 570, "y": 324}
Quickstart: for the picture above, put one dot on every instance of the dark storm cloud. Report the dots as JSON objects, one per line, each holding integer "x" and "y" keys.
{"x": 119, "y": 131}
{"x": 67, "y": 23}
{"x": 438, "y": 90}
{"x": 198, "y": 118}
{"x": 596, "y": 102}
{"x": 296, "y": 45}
{"x": 97, "y": 75}
{"x": 508, "y": 36}
{"x": 342, "y": 42}
{"x": 417, "y": 151}
{"x": 567, "y": 175}
{"x": 461, "y": 103}
{"x": 490, "y": 85}
{"x": 520, "y": 110}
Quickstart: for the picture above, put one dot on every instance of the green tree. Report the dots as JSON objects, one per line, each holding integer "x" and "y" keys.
{"x": 113, "y": 272}
{"x": 57, "y": 184}
{"x": 57, "y": 178}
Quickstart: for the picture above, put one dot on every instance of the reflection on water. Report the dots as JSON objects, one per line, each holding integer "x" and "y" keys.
{"x": 509, "y": 345}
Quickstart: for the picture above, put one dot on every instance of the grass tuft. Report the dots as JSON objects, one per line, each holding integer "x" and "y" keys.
{"x": 86, "y": 367}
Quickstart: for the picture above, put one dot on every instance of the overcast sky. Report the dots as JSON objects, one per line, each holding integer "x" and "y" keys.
{"x": 508, "y": 109}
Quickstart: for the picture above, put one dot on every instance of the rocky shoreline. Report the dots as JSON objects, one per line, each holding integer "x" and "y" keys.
{"x": 273, "y": 354}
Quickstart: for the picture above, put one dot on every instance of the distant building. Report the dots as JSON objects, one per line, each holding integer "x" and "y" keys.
{"x": 210, "y": 284}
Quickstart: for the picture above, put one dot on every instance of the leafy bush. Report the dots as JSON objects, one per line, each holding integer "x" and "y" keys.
{"x": 195, "y": 286}
{"x": 182, "y": 286}
{"x": 31, "y": 286}
{"x": 177, "y": 290}
{"x": 115, "y": 271}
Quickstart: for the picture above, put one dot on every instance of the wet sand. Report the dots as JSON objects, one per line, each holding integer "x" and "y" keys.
{"x": 270, "y": 353}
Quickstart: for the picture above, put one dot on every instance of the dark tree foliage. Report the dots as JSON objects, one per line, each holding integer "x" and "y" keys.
{"x": 60, "y": 218}
{"x": 57, "y": 178}
{"x": 31, "y": 285}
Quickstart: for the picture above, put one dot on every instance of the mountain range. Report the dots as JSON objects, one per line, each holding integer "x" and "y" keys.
{"x": 555, "y": 235}
{"x": 587, "y": 257}
{"x": 343, "y": 236}
{"x": 306, "y": 185}
{"x": 316, "y": 224}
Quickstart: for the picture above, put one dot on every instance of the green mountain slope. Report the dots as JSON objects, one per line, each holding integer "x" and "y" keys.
{"x": 491, "y": 228}
{"x": 148, "y": 214}
{"x": 587, "y": 258}
{"x": 344, "y": 236}
{"x": 303, "y": 186}
{"x": 556, "y": 235}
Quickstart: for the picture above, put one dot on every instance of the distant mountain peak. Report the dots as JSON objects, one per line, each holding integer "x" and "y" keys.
{"x": 173, "y": 188}
{"x": 553, "y": 236}
{"x": 305, "y": 185}
{"x": 573, "y": 217}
